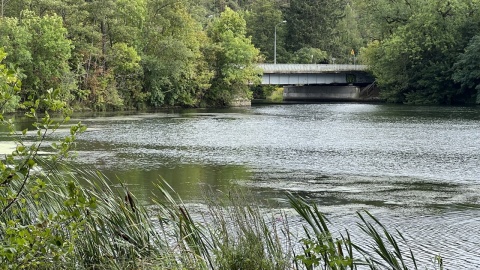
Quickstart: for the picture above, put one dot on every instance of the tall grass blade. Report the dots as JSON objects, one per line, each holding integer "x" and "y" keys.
{"x": 383, "y": 240}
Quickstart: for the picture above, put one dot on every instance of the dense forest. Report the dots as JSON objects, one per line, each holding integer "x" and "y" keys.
{"x": 136, "y": 54}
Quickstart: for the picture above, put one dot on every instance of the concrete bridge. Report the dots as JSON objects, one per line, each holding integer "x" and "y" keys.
{"x": 320, "y": 82}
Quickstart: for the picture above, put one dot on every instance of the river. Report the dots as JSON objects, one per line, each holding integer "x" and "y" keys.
{"x": 417, "y": 169}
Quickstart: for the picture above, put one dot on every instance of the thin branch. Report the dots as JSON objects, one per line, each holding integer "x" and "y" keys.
{"x": 26, "y": 177}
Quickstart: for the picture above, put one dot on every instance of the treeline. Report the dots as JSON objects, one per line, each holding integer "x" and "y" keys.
{"x": 113, "y": 54}
{"x": 424, "y": 51}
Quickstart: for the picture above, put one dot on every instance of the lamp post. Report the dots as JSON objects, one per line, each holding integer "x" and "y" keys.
{"x": 275, "y": 43}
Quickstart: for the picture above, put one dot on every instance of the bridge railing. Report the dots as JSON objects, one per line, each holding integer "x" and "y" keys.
{"x": 309, "y": 68}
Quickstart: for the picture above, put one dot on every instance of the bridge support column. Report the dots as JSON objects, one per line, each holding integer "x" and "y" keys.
{"x": 321, "y": 93}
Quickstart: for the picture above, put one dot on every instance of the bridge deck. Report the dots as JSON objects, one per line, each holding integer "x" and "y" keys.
{"x": 309, "y": 68}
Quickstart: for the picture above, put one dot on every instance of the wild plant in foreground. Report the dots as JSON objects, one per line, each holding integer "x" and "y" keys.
{"x": 245, "y": 238}
{"x": 320, "y": 248}
{"x": 36, "y": 229}
{"x": 322, "y": 251}
{"x": 122, "y": 234}
{"x": 387, "y": 252}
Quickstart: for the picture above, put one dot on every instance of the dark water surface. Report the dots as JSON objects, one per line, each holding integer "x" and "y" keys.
{"x": 417, "y": 169}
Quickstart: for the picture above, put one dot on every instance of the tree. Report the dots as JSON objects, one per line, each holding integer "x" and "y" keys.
{"x": 347, "y": 36}
{"x": 310, "y": 56}
{"x": 233, "y": 59}
{"x": 16, "y": 39}
{"x": 3, "y": 4}
{"x": 175, "y": 69}
{"x": 261, "y": 21}
{"x": 127, "y": 22}
{"x": 124, "y": 62}
{"x": 13, "y": 8}
{"x": 94, "y": 28}
{"x": 41, "y": 50}
{"x": 379, "y": 18}
{"x": 9, "y": 87}
{"x": 413, "y": 64}
{"x": 311, "y": 23}
{"x": 467, "y": 69}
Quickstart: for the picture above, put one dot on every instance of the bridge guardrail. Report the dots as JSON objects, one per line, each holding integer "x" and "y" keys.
{"x": 309, "y": 68}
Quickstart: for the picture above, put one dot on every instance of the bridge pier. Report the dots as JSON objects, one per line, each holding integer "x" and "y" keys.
{"x": 322, "y": 93}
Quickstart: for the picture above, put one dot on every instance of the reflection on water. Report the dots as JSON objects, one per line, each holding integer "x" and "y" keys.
{"x": 416, "y": 168}
{"x": 190, "y": 181}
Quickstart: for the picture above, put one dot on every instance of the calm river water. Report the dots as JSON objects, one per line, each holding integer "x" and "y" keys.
{"x": 417, "y": 169}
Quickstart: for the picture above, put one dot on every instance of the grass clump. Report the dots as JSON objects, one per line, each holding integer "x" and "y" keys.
{"x": 320, "y": 248}
{"x": 245, "y": 238}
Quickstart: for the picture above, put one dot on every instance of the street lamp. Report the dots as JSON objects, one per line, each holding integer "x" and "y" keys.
{"x": 275, "y": 43}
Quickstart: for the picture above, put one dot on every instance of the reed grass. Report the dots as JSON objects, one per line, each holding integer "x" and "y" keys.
{"x": 382, "y": 250}
{"x": 243, "y": 237}
{"x": 101, "y": 225}
{"x": 320, "y": 248}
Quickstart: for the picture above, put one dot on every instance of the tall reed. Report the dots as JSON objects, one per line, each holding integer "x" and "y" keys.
{"x": 381, "y": 250}
{"x": 244, "y": 237}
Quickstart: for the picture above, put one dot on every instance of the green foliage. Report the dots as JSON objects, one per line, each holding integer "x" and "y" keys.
{"x": 467, "y": 69}
{"x": 243, "y": 237}
{"x": 40, "y": 48}
{"x": 124, "y": 54}
{"x": 133, "y": 16}
{"x": 15, "y": 39}
{"x": 262, "y": 91}
{"x": 124, "y": 63}
{"x": 261, "y": 20}
{"x": 9, "y": 87}
{"x": 104, "y": 91}
{"x": 248, "y": 253}
{"x": 232, "y": 58}
{"x": 379, "y": 18}
{"x": 413, "y": 62}
{"x": 276, "y": 95}
{"x": 347, "y": 36}
{"x": 311, "y": 23}
{"x": 175, "y": 69}
{"x": 308, "y": 55}
{"x": 320, "y": 248}
{"x": 32, "y": 231}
